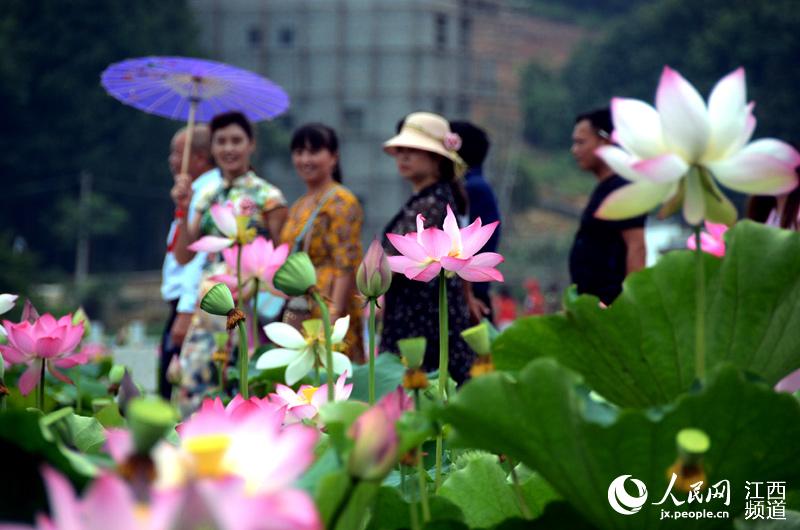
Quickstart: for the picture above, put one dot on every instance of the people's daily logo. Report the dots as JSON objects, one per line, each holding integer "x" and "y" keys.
{"x": 621, "y": 501}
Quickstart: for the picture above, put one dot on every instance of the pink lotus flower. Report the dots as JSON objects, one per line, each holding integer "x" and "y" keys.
{"x": 375, "y": 435}
{"x": 712, "y": 241}
{"x": 109, "y": 503}
{"x": 671, "y": 151}
{"x": 250, "y": 444}
{"x": 226, "y": 222}
{"x": 260, "y": 261}
{"x": 306, "y": 402}
{"x": 48, "y": 341}
{"x": 425, "y": 253}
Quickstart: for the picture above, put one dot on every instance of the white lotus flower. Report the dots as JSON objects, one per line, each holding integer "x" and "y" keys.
{"x": 6, "y": 303}
{"x": 299, "y": 353}
{"x": 671, "y": 152}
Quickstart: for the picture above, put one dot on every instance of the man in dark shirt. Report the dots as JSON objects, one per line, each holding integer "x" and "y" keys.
{"x": 482, "y": 202}
{"x": 603, "y": 252}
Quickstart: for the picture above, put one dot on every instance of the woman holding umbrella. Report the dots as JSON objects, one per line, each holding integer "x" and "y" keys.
{"x": 232, "y": 146}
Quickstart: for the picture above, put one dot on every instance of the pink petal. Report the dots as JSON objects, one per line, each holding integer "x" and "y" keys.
{"x": 210, "y": 244}
{"x": 755, "y": 173}
{"x": 420, "y": 228}
{"x": 475, "y": 236}
{"x": 408, "y": 246}
{"x": 451, "y": 229}
{"x": 47, "y": 347}
{"x": 683, "y": 114}
{"x": 58, "y": 375}
{"x": 110, "y": 504}
{"x": 436, "y": 242}
{"x": 20, "y": 336}
{"x": 304, "y": 412}
{"x": 229, "y": 255}
{"x": 81, "y": 357}
{"x": 454, "y": 264}
{"x": 119, "y": 444}
{"x": 481, "y": 268}
{"x": 790, "y": 383}
{"x": 632, "y": 200}
{"x": 637, "y": 127}
{"x": 30, "y": 378}
{"x": 717, "y": 230}
{"x": 225, "y": 219}
{"x": 72, "y": 337}
{"x": 425, "y": 273}
{"x": 662, "y": 169}
{"x": 64, "y": 506}
{"x": 13, "y": 355}
{"x": 401, "y": 263}
{"x": 728, "y": 114}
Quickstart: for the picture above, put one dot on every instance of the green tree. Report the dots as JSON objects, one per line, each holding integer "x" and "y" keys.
{"x": 703, "y": 41}
{"x": 547, "y": 109}
{"x": 58, "y": 121}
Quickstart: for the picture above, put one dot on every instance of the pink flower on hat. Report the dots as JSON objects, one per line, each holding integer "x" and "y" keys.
{"x": 451, "y": 141}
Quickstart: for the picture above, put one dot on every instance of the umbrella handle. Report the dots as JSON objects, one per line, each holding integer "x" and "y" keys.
{"x": 187, "y": 147}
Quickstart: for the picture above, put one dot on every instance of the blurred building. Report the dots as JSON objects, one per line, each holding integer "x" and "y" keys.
{"x": 361, "y": 65}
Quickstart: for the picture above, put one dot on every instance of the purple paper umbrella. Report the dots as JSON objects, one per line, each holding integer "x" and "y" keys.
{"x": 187, "y": 89}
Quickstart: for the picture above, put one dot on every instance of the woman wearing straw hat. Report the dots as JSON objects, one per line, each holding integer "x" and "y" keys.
{"x": 425, "y": 153}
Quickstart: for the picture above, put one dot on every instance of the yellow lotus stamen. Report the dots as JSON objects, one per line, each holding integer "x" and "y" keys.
{"x": 208, "y": 452}
{"x": 308, "y": 393}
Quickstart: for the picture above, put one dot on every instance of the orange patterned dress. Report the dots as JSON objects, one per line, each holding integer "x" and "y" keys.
{"x": 333, "y": 243}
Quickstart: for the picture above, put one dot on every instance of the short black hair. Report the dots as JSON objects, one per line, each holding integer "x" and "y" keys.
{"x": 600, "y": 120}
{"x": 220, "y": 121}
{"x": 474, "y": 142}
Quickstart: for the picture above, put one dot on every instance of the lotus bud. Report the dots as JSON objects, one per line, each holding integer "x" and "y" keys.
{"x": 174, "y": 372}
{"x": 80, "y": 317}
{"x": 116, "y": 374}
{"x": 374, "y": 276}
{"x": 375, "y": 450}
{"x": 149, "y": 419}
{"x": 692, "y": 444}
{"x": 412, "y": 350}
{"x": 296, "y": 276}
{"x": 477, "y": 337}
{"x": 218, "y": 300}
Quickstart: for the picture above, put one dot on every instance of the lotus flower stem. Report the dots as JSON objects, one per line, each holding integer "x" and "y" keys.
{"x": 443, "y": 335}
{"x": 244, "y": 359}
{"x": 523, "y": 506}
{"x": 421, "y": 473}
{"x": 255, "y": 317}
{"x": 372, "y": 311}
{"x": 326, "y": 324}
{"x": 352, "y": 484}
{"x": 700, "y": 316}
{"x": 443, "y": 358}
{"x": 40, "y": 390}
{"x": 239, "y": 276}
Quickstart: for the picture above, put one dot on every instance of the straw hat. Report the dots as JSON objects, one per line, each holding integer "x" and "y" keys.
{"x": 428, "y": 132}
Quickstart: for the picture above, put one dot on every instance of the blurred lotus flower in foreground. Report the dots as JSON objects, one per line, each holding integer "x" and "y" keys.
{"x": 299, "y": 353}
{"x": 375, "y": 435}
{"x": 712, "y": 241}
{"x": 425, "y": 253}
{"x": 374, "y": 275}
{"x": 109, "y": 503}
{"x": 670, "y": 152}
{"x": 218, "y": 442}
{"x": 306, "y": 402}
{"x": 260, "y": 261}
{"x": 48, "y": 341}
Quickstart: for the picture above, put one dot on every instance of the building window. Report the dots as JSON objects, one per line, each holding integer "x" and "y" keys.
{"x": 440, "y": 29}
{"x": 286, "y": 37}
{"x": 465, "y": 38}
{"x": 353, "y": 119}
{"x": 254, "y": 36}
